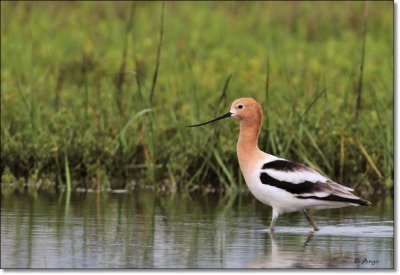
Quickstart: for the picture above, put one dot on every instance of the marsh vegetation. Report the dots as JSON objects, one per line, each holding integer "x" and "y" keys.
{"x": 96, "y": 94}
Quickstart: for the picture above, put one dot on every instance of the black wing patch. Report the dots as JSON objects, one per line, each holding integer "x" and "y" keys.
{"x": 284, "y": 165}
{"x": 298, "y": 188}
{"x": 337, "y": 198}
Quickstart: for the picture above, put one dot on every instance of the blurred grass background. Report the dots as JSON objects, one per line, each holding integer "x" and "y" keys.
{"x": 96, "y": 94}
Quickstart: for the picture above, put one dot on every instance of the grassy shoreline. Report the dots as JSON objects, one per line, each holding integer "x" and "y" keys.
{"x": 100, "y": 92}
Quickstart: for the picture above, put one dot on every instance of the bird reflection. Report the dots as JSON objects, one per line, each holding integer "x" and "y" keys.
{"x": 284, "y": 253}
{"x": 308, "y": 240}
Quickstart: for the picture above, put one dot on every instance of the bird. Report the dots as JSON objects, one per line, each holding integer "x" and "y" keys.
{"x": 286, "y": 186}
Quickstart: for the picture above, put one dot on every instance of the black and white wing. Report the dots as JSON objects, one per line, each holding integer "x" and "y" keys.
{"x": 305, "y": 183}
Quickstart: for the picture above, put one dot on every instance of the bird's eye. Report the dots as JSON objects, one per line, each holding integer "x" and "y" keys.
{"x": 240, "y": 106}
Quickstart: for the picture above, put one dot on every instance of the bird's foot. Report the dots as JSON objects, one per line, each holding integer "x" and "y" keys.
{"x": 315, "y": 229}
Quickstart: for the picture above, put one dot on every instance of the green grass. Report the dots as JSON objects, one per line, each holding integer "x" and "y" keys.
{"x": 113, "y": 84}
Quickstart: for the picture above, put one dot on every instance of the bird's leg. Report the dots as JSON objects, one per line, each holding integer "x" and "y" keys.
{"x": 275, "y": 216}
{"x": 312, "y": 223}
{"x": 271, "y": 226}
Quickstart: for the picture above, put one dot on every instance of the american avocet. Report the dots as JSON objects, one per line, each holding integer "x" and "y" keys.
{"x": 285, "y": 185}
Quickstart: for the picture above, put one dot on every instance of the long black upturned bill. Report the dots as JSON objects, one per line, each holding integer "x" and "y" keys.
{"x": 229, "y": 114}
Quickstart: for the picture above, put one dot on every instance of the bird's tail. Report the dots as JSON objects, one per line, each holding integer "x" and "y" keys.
{"x": 364, "y": 202}
{"x": 358, "y": 201}
{"x": 354, "y": 200}
{"x": 344, "y": 194}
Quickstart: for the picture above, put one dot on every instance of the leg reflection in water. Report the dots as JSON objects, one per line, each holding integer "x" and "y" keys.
{"x": 299, "y": 251}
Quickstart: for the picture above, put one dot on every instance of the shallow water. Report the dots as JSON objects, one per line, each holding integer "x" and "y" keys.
{"x": 148, "y": 230}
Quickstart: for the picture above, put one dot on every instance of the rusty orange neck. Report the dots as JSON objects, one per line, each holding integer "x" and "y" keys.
{"x": 247, "y": 145}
